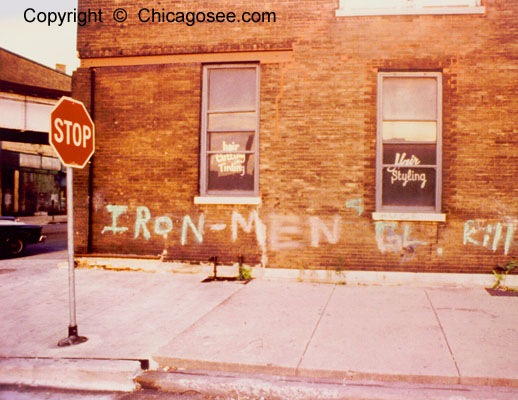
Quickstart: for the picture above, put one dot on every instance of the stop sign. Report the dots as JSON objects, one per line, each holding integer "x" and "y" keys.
{"x": 72, "y": 132}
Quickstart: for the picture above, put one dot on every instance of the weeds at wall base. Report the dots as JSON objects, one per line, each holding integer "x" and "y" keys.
{"x": 500, "y": 273}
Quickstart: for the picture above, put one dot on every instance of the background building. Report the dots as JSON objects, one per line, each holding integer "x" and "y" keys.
{"x": 32, "y": 178}
{"x": 331, "y": 134}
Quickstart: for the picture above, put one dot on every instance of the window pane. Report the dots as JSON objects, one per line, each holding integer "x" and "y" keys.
{"x": 410, "y": 131}
{"x": 231, "y": 172}
{"x": 231, "y": 141}
{"x": 232, "y": 121}
{"x": 232, "y": 88}
{"x": 408, "y": 187}
{"x": 410, "y": 98}
{"x": 409, "y": 154}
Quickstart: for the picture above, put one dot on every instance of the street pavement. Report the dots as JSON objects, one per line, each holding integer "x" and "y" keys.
{"x": 264, "y": 339}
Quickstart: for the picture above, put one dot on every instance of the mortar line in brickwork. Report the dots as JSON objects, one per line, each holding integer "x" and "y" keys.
{"x": 443, "y": 333}
{"x": 314, "y": 330}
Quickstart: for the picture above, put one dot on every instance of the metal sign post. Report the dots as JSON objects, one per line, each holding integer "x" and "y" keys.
{"x": 72, "y": 136}
{"x": 73, "y": 337}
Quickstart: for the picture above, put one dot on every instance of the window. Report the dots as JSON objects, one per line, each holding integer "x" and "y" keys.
{"x": 399, "y": 7}
{"x": 229, "y": 134}
{"x": 409, "y": 142}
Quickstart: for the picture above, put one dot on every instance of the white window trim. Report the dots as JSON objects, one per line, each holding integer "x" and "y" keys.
{"x": 395, "y": 216}
{"x": 221, "y": 194}
{"x": 345, "y": 11}
{"x": 232, "y": 200}
{"x": 401, "y": 210}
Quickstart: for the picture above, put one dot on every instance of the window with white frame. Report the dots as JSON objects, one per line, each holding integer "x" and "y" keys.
{"x": 409, "y": 142}
{"x": 398, "y": 7}
{"x": 230, "y": 127}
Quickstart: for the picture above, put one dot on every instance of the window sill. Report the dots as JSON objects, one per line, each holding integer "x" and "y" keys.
{"x": 398, "y": 216}
{"x": 410, "y": 11}
{"x": 233, "y": 200}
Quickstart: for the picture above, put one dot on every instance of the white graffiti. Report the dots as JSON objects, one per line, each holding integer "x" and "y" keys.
{"x": 143, "y": 217}
{"x": 217, "y": 227}
{"x": 196, "y": 230}
{"x": 116, "y": 211}
{"x": 285, "y": 232}
{"x": 293, "y": 232}
{"x": 390, "y": 238}
{"x": 281, "y": 233}
{"x": 318, "y": 227}
{"x": 490, "y": 236}
{"x": 260, "y": 230}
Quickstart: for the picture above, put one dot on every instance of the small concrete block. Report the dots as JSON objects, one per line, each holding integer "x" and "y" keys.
{"x": 83, "y": 374}
{"x": 482, "y": 333}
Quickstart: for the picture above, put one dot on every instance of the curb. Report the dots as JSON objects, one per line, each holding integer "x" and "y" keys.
{"x": 340, "y": 277}
{"x": 236, "y": 385}
{"x": 82, "y": 374}
{"x": 216, "y": 367}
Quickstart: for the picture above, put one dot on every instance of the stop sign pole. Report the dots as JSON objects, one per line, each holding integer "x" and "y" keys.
{"x": 72, "y": 135}
{"x": 73, "y": 336}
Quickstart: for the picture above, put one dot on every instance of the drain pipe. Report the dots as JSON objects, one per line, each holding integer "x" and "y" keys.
{"x": 91, "y": 165}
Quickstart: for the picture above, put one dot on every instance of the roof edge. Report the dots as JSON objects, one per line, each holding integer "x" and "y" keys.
{"x": 34, "y": 62}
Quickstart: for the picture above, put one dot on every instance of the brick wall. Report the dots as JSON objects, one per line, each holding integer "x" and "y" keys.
{"x": 19, "y": 70}
{"x": 317, "y": 139}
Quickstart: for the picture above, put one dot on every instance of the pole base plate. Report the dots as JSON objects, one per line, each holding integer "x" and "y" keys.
{"x": 73, "y": 338}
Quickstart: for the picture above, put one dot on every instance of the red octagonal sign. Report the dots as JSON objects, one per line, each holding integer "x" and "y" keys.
{"x": 72, "y": 132}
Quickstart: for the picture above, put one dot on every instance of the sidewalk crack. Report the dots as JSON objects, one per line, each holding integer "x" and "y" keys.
{"x": 314, "y": 330}
{"x": 443, "y": 334}
{"x": 198, "y": 321}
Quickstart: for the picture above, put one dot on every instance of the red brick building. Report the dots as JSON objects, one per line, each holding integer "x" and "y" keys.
{"x": 32, "y": 179}
{"x": 332, "y": 134}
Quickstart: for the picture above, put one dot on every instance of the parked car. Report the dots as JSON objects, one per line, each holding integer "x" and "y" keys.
{"x": 15, "y": 236}
{"x": 7, "y": 218}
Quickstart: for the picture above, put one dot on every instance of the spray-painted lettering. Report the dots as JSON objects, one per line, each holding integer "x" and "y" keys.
{"x": 282, "y": 233}
{"x": 490, "y": 236}
{"x": 196, "y": 230}
{"x": 260, "y": 230}
{"x": 116, "y": 211}
{"x": 390, "y": 239}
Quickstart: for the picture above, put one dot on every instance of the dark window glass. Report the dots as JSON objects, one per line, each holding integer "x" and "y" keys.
{"x": 231, "y": 171}
{"x": 409, "y": 131}
{"x": 409, "y": 154}
{"x": 408, "y": 187}
{"x": 229, "y": 141}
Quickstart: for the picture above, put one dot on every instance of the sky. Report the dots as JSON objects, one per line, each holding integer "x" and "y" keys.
{"x": 48, "y": 45}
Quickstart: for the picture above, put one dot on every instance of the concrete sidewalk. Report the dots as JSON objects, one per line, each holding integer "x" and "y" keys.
{"x": 440, "y": 336}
